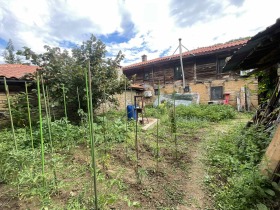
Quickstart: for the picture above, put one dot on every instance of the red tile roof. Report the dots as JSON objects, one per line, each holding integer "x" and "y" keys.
{"x": 16, "y": 71}
{"x": 198, "y": 51}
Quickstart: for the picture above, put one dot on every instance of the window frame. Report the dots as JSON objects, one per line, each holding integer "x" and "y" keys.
{"x": 219, "y": 66}
{"x": 179, "y": 72}
{"x": 156, "y": 92}
{"x": 221, "y": 97}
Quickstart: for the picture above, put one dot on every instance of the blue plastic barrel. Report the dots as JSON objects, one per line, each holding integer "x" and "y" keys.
{"x": 130, "y": 112}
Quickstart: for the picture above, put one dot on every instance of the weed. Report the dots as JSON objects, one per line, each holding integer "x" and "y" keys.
{"x": 174, "y": 195}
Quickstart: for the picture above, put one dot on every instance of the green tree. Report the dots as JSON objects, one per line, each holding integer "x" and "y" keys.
{"x": 9, "y": 54}
{"x": 60, "y": 68}
{"x": 104, "y": 71}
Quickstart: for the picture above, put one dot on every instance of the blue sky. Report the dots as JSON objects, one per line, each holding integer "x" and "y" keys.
{"x": 135, "y": 27}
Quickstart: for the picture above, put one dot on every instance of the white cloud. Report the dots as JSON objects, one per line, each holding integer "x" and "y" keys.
{"x": 233, "y": 22}
{"x": 157, "y": 25}
{"x": 1, "y": 57}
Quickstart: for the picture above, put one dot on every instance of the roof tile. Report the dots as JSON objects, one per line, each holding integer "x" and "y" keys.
{"x": 197, "y": 51}
{"x": 16, "y": 71}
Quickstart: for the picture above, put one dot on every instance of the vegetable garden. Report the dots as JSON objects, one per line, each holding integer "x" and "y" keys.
{"x": 60, "y": 174}
{"x": 196, "y": 157}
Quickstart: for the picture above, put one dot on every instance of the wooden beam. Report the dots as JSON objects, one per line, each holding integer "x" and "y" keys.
{"x": 194, "y": 72}
{"x": 271, "y": 159}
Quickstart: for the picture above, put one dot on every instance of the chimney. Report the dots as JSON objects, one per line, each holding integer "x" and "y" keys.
{"x": 144, "y": 58}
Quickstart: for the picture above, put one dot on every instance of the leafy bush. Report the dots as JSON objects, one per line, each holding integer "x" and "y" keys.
{"x": 19, "y": 108}
{"x": 12, "y": 161}
{"x": 64, "y": 132}
{"x": 114, "y": 130}
{"x": 212, "y": 113}
{"x": 234, "y": 177}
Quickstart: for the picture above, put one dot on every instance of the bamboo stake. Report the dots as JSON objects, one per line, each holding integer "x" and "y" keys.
{"x": 136, "y": 145}
{"x": 175, "y": 127}
{"x": 92, "y": 138}
{"x": 78, "y": 95}
{"x": 47, "y": 114}
{"x": 51, "y": 112}
{"x": 157, "y": 152}
{"x": 41, "y": 131}
{"x": 104, "y": 130}
{"x": 49, "y": 129}
{"x": 29, "y": 116}
{"x": 125, "y": 106}
{"x": 10, "y": 112}
{"x": 48, "y": 102}
{"x": 64, "y": 101}
{"x": 88, "y": 106}
{"x": 65, "y": 112}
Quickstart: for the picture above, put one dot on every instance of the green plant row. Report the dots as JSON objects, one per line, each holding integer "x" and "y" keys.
{"x": 212, "y": 113}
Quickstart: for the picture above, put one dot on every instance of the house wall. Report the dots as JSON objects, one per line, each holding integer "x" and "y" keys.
{"x": 3, "y": 100}
{"x": 201, "y": 73}
{"x": 231, "y": 86}
{"x": 129, "y": 98}
{"x": 13, "y": 90}
{"x": 197, "y": 69}
{"x": 129, "y": 95}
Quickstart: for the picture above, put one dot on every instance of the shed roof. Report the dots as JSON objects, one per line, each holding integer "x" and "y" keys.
{"x": 16, "y": 71}
{"x": 198, "y": 51}
{"x": 261, "y": 50}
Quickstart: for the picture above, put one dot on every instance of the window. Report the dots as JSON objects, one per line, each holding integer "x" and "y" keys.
{"x": 220, "y": 65}
{"x": 156, "y": 92}
{"x": 177, "y": 73}
{"x": 146, "y": 76}
{"x": 217, "y": 93}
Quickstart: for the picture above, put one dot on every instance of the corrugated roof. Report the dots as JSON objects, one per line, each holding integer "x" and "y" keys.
{"x": 198, "y": 51}
{"x": 16, "y": 71}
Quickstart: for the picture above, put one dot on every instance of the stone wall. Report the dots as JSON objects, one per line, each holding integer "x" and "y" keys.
{"x": 121, "y": 102}
{"x": 232, "y": 86}
{"x": 3, "y": 101}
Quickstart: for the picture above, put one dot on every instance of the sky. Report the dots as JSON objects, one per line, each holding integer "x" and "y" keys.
{"x": 135, "y": 27}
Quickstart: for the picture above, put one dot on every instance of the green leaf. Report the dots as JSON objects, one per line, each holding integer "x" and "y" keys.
{"x": 261, "y": 206}
{"x": 136, "y": 204}
{"x": 270, "y": 192}
{"x": 275, "y": 186}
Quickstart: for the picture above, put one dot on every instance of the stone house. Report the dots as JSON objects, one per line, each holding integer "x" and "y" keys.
{"x": 203, "y": 75}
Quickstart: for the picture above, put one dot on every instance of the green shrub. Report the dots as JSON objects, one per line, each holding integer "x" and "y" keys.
{"x": 212, "y": 113}
{"x": 114, "y": 131}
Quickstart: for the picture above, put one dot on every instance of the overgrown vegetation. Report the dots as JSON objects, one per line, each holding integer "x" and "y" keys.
{"x": 267, "y": 81}
{"x": 234, "y": 176}
{"x": 213, "y": 113}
